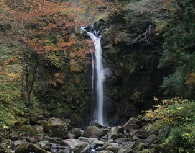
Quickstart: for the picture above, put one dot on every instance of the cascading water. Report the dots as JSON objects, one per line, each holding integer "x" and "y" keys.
{"x": 100, "y": 76}
{"x": 93, "y": 70}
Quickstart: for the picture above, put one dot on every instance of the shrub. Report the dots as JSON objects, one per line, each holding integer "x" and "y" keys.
{"x": 175, "y": 120}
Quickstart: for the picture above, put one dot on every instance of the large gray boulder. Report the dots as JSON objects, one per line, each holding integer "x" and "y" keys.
{"x": 56, "y": 127}
{"x": 28, "y": 147}
{"x": 76, "y": 145}
{"x": 151, "y": 139}
{"x": 131, "y": 124}
{"x": 115, "y": 132}
{"x": 93, "y": 132}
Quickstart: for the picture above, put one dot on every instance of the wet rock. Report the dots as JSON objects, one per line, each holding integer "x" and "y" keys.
{"x": 71, "y": 136}
{"x": 94, "y": 143}
{"x": 104, "y": 138}
{"x": 142, "y": 134}
{"x": 57, "y": 128}
{"x": 77, "y": 132}
{"x": 129, "y": 127}
{"x": 92, "y": 132}
{"x": 151, "y": 139}
{"x": 105, "y": 131}
{"x": 131, "y": 124}
{"x": 132, "y": 120}
{"x": 43, "y": 144}
{"x": 115, "y": 132}
{"x": 114, "y": 147}
{"x": 125, "y": 141}
{"x": 98, "y": 125}
{"x": 16, "y": 143}
{"x": 76, "y": 145}
{"x": 28, "y": 147}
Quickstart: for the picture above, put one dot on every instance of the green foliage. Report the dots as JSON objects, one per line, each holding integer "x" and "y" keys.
{"x": 132, "y": 50}
{"x": 179, "y": 47}
{"x": 64, "y": 91}
{"x": 175, "y": 120}
{"x": 12, "y": 107}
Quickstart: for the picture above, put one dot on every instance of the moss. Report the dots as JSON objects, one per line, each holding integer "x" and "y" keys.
{"x": 27, "y": 147}
{"x": 56, "y": 131}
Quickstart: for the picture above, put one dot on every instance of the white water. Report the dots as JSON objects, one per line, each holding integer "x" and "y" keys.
{"x": 93, "y": 69}
{"x": 99, "y": 73}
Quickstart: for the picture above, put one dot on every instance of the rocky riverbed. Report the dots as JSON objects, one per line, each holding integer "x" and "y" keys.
{"x": 57, "y": 136}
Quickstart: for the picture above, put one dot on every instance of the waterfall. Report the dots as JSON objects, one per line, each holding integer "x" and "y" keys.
{"x": 100, "y": 76}
{"x": 92, "y": 69}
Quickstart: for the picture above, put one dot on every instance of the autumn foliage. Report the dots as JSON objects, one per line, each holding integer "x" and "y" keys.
{"x": 47, "y": 47}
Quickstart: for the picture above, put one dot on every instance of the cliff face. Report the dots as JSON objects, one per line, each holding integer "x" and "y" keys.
{"x": 132, "y": 49}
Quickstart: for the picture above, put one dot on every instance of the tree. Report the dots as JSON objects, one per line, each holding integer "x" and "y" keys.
{"x": 51, "y": 49}
{"x": 178, "y": 51}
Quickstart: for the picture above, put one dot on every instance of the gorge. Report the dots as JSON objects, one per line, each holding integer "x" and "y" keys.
{"x": 60, "y": 92}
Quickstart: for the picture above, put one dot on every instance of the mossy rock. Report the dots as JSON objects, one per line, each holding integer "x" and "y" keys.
{"x": 28, "y": 147}
{"x": 56, "y": 127}
{"x": 92, "y": 132}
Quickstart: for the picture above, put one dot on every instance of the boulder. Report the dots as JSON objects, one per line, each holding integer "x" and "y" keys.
{"x": 131, "y": 124}
{"x": 43, "y": 144}
{"x": 142, "y": 134}
{"x": 16, "y": 143}
{"x": 76, "y": 145}
{"x": 28, "y": 147}
{"x": 115, "y": 132}
{"x": 129, "y": 127}
{"x": 56, "y": 127}
{"x": 132, "y": 120}
{"x": 77, "y": 132}
{"x": 93, "y": 132}
{"x": 114, "y": 147}
{"x": 151, "y": 139}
